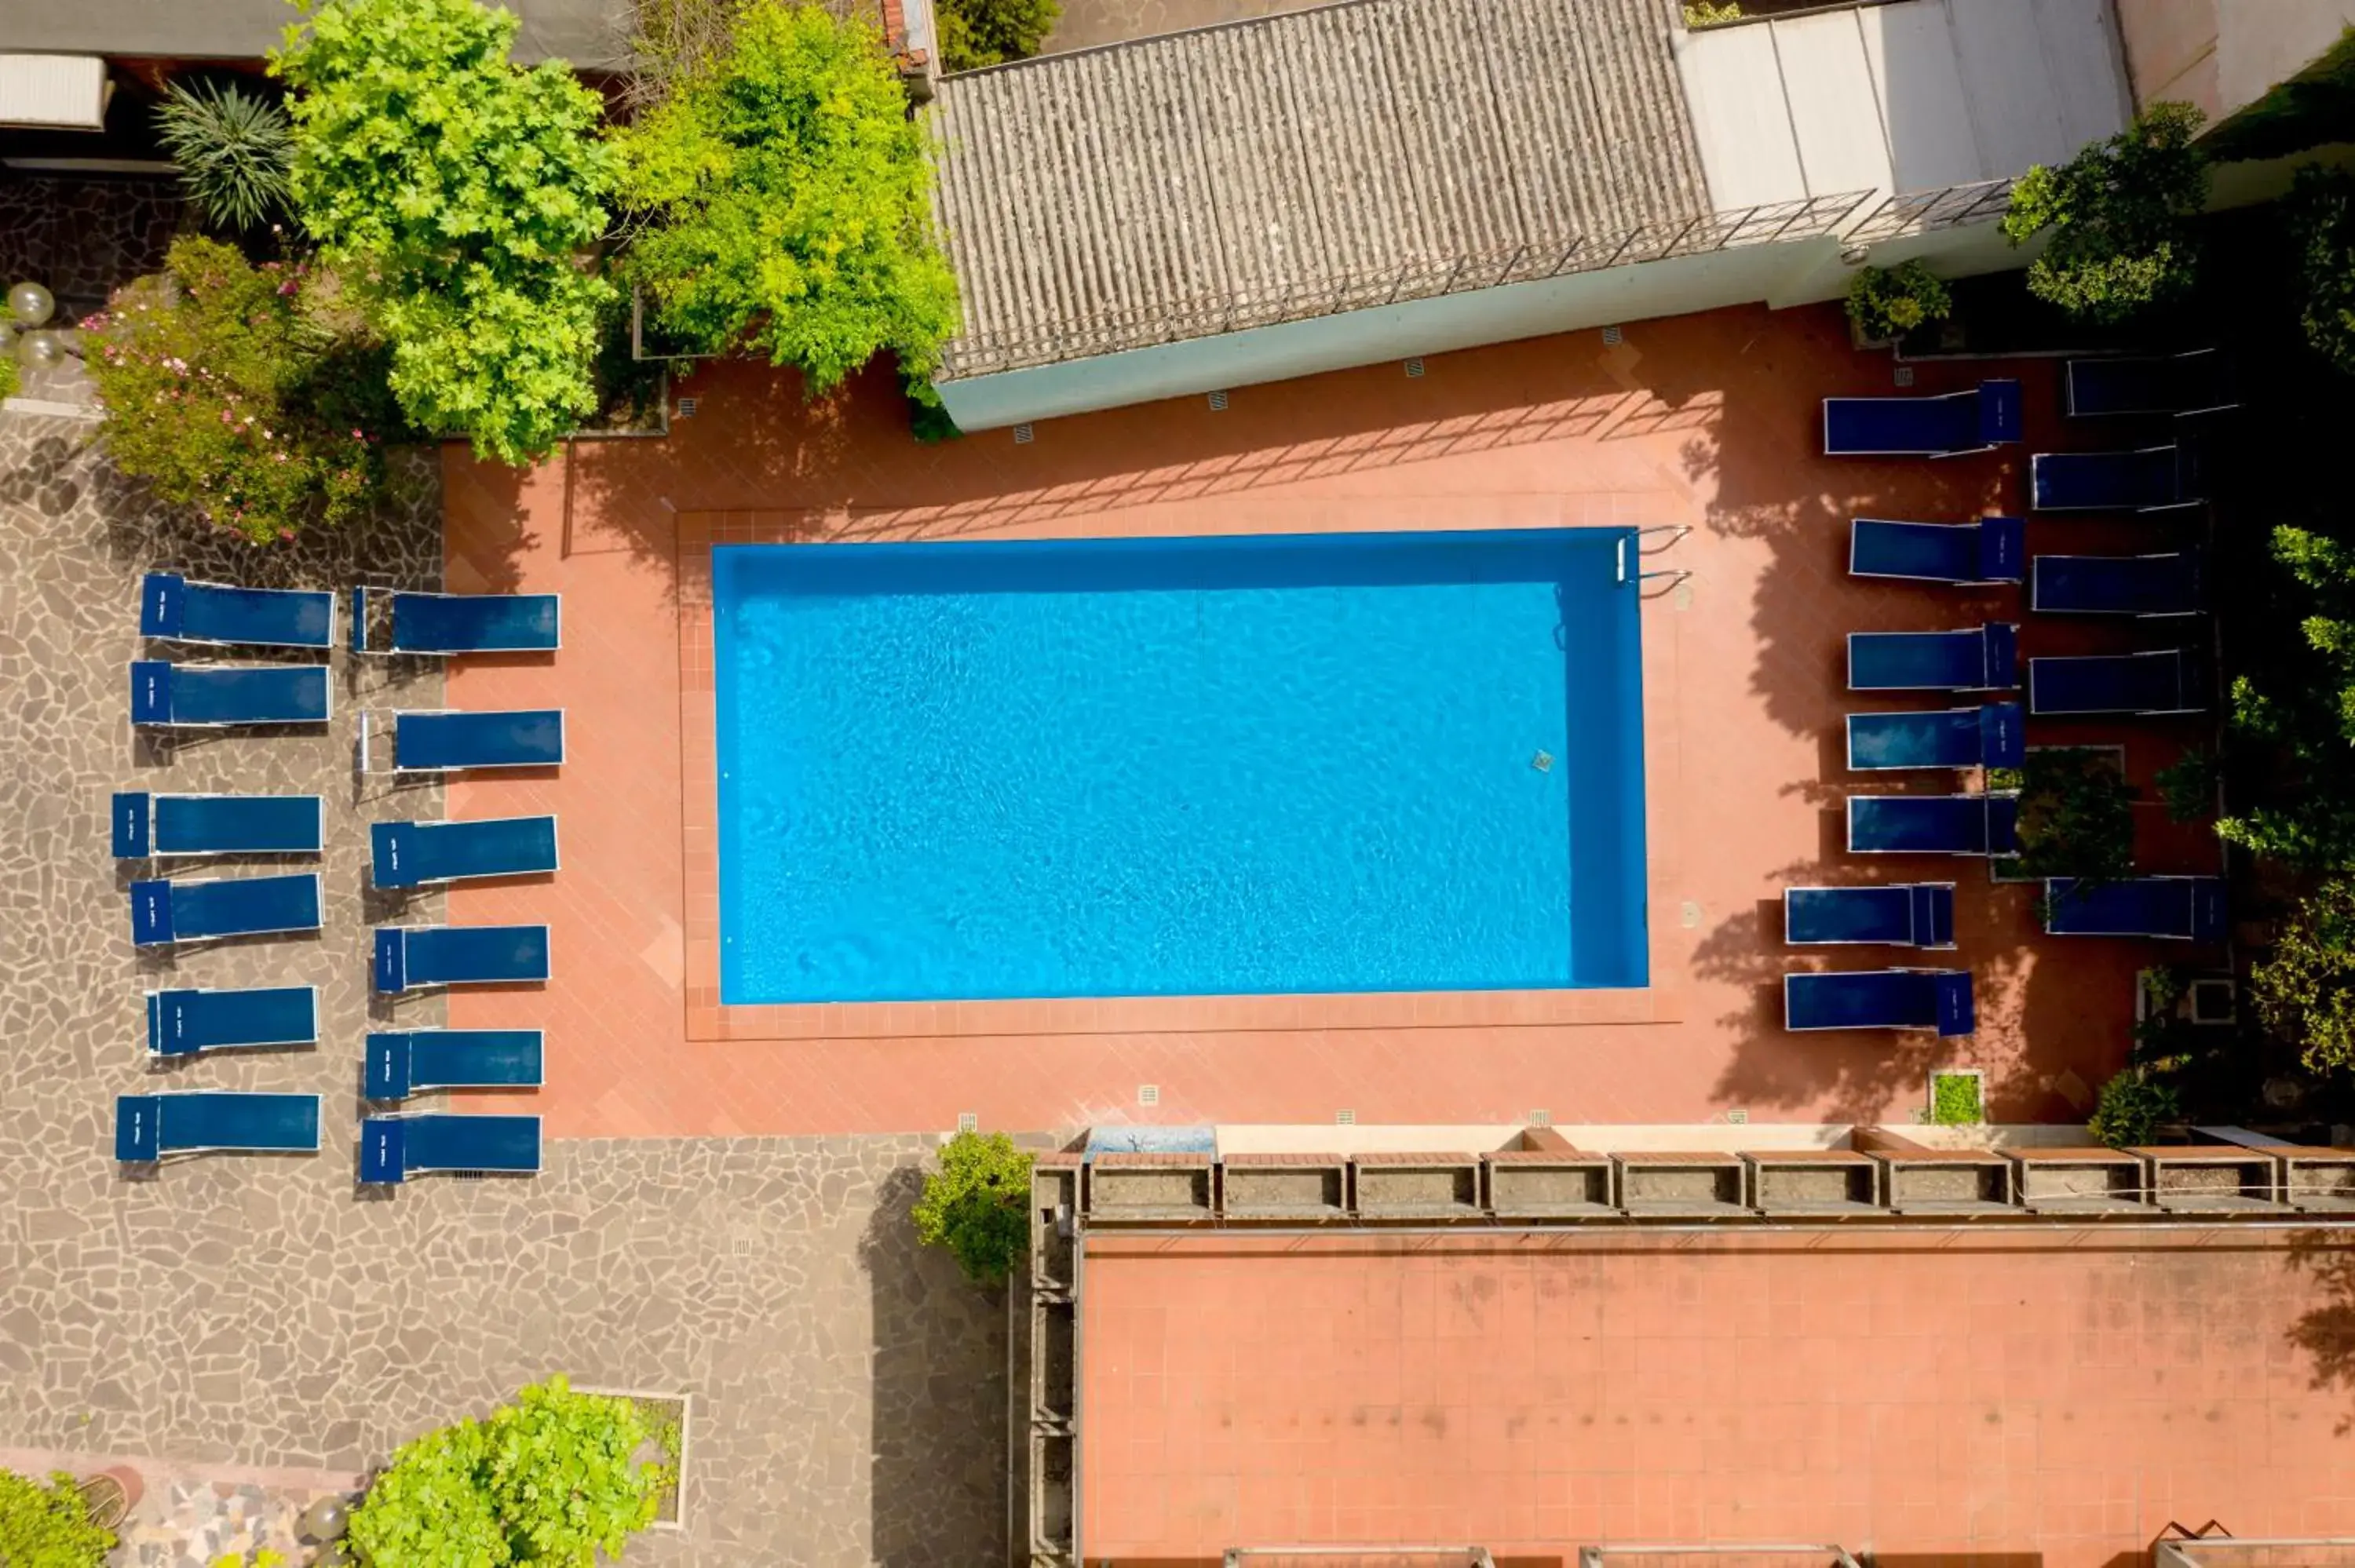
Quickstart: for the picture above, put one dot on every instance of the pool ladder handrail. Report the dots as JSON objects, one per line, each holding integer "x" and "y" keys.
{"x": 1675, "y": 531}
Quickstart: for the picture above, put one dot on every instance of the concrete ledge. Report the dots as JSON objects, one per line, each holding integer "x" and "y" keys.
{"x": 2319, "y": 1180}
{"x": 1284, "y": 1187}
{"x": 1149, "y": 1187}
{"x": 2212, "y": 1180}
{"x": 1418, "y": 1186}
{"x": 1819, "y": 1183}
{"x": 1951, "y": 1183}
{"x": 2080, "y": 1181}
{"x": 1698, "y": 1186}
{"x": 1551, "y": 1184}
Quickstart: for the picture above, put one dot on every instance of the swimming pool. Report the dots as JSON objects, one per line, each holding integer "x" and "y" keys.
{"x": 1178, "y": 767}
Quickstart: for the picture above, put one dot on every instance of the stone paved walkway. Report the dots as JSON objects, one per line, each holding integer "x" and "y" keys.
{"x": 848, "y": 1394}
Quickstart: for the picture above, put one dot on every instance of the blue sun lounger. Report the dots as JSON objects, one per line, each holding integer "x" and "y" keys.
{"x": 2183, "y": 909}
{"x": 420, "y": 1061}
{"x": 395, "y": 1148}
{"x": 165, "y": 695}
{"x": 149, "y": 1127}
{"x": 1934, "y": 824}
{"x": 1959, "y": 422}
{"x": 153, "y": 826}
{"x": 1986, "y": 659}
{"x": 1938, "y": 1000}
{"x": 2172, "y": 584}
{"x": 183, "y": 1023}
{"x": 411, "y": 958}
{"x": 454, "y": 742}
{"x": 415, "y": 855}
{"x": 2198, "y": 382}
{"x": 452, "y": 623}
{"x": 163, "y": 912}
{"x": 1991, "y": 550}
{"x": 1988, "y": 735}
{"x": 2155, "y": 479}
{"x": 173, "y": 610}
{"x": 2170, "y": 681}
{"x": 1898, "y": 915}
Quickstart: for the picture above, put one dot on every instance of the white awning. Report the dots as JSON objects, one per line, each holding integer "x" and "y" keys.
{"x": 62, "y": 92}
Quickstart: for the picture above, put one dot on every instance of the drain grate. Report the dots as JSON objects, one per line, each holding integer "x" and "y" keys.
{"x": 1414, "y": 367}
{"x": 1148, "y": 1094}
{"x": 1218, "y": 402}
{"x": 968, "y": 1121}
{"x": 688, "y": 406}
{"x": 1542, "y": 1118}
{"x": 1905, "y": 376}
{"x": 1344, "y": 1119}
{"x": 1023, "y": 434}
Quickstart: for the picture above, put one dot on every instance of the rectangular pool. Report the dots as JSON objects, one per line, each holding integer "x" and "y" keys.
{"x": 1264, "y": 764}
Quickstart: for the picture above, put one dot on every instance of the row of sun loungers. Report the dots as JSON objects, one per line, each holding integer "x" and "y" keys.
{"x": 1986, "y": 659}
{"x": 153, "y": 1128}
{"x": 386, "y": 621}
{"x": 399, "y": 1062}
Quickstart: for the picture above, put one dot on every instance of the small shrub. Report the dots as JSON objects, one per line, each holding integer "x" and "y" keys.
{"x": 225, "y": 393}
{"x": 2304, "y": 991}
{"x": 2120, "y": 213}
{"x": 976, "y": 33}
{"x": 231, "y": 148}
{"x": 49, "y": 1526}
{"x": 1892, "y": 301}
{"x": 263, "y": 1557}
{"x": 9, "y": 377}
{"x": 2187, "y": 786}
{"x": 2322, "y": 212}
{"x": 1955, "y": 1099}
{"x": 550, "y": 1479}
{"x": 785, "y": 199}
{"x": 977, "y": 1205}
{"x": 2076, "y": 815}
{"x": 2130, "y": 1107}
{"x": 1704, "y": 13}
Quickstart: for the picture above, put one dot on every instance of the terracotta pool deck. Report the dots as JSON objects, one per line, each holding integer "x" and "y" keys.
{"x": 1710, "y": 421}
{"x": 2050, "y": 1397}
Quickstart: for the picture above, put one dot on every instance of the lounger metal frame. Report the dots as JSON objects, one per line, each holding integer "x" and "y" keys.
{"x": 1977, "y": 528}
{"x": 155, "y": 998}
{"x": 553, "y": 866}
{"x": 154, "y": 797}
{"x": 2186, "y": 665}
{"x": 325, "y": 716}
{"x": 361, "y": 593}
{"x": 175, "y": 884}
{"x": 1931, "y": 1028}
{"x": 1986, "y": 799}
{"x": 1973, "y": 393}
{"x": 1984, "y": 671}
{"x": 1907, "y": 887}
{"x": 188, "y": 583}
{"x": 163, "y": 1154}
{"x": 2069, "y": 385}
{"x": 2181, "y": 503}
{"x": 410, "y": 985}
{"x": 2035, "y": 586}
{"x": 2049, "y": 897}
{"x": 389, "y": 734}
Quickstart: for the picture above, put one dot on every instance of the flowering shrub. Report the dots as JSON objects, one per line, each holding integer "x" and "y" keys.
{"x": 227, "y": 390}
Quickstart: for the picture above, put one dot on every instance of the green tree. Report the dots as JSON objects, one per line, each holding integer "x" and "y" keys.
{"x": 231, "y": 148}
{"x": 227, "y": 388}
{"x": 49, "y": 1526}
{"x": 459, "y": 191}
{"x": 784, "y": 197}
{"x": 552, "y": 1478}
{"x": 977, "y": 1205}
{"x": 2322, "y": 216}
{"x": 2308, "y": 724}
{"x": 2076, "y": 815}
{"x": 976, "y": 33}
{"x": 2120, "y": 213}
{"x": 2304, "y": 991}
{"x": 2130, "y": 1107}
{"x": 1890, "y": 301}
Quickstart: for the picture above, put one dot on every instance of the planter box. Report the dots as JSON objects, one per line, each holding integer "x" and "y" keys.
{"x": 1814, "y": 1182}
{"x": 660, "y": 1410}
{"x": 1683, "y": 1186}
{"x": 1128, "y": 1186}
{"x": 2091, "y": 1182}
{"x": 1961, "y": 1183}
{"x": 2208, "y": 1179}
{"x": 1418, "y": 1186}
{"x": 1978, "y": 1096}
{"x": 1284, "y": 1187}
{"x": 1550, "y": 1184}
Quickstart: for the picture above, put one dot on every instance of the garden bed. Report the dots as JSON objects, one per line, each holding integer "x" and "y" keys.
{"x": 666, "y": 1414}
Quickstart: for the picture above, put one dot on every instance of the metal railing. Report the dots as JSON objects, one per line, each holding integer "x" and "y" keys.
{"x": 1922, "y": 211}
{"x": 1534, "y": 261}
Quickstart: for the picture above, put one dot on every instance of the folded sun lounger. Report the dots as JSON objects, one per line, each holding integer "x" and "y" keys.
{"x": 414, "y": 854}
{"x": 2155, "y": 479}
{"x": 163, "y": 912}
{"x": 1988, "y": 735}
{"x": 1899, "y": 914}
{"x": 173, "y": 610}
{"x": 1984, "y": 660}
{"x": 2198, "y": 382}
{"x": 148, "y": 1128}
{"x": 183, "y": 696}
{"x": 418, "y": 1061}
{"x": 451, "y": 742}
{"x": 1936, "y": 1000}
{"x": 1991, "y": 550}
{"x": 151, "y": 826}
{"x": 449, "y": 623}
{"x": 183, "y": 1023}
{"x": 1934, "y": 824}
{"x": 2170, "y": 681}
{"x": 409, "y": 958}
{"x": 2171, "y": 584}
{"x": 2186, "y": 908}
{"x": 395, "y": 1148}
{"x": 1959, "y": 422}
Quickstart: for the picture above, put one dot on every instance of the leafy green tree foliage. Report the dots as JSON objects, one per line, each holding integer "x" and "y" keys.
{"x": 2321, "y": 214}
{"x": 225, "y": 389}
{"x": 2312, "y": 727}
{"x": 786, "y": 202}
{"x": 977, "y": 1205}
{"x": 552, "y": 1478}
{"x": 976, "y": 33}
{"x": 459, "y": 190}
{"x": 1890, "y": 301}
{"x": 2130, "y": 1107}
{"x": 231, "y": 147}
{"x": 2120, "y": 213}
{"x": 2306, "y": 990}
{"x": 49, "y": 1526}
{"x": 2076, "y": 815}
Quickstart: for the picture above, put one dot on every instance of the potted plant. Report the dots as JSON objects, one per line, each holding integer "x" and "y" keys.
{"x": 110, "y": 1494}
{"x": 2076, "y": 815}
{"x": 1958, "y": 1097}
{"x": 49, "y": 1523}
{"x": 1884, "y": 303}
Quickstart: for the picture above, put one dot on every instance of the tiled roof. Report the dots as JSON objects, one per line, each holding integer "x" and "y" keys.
{"x": 1256, "y": 170}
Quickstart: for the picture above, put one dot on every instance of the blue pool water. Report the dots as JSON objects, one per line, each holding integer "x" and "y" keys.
{"x": 1178, "y": 767}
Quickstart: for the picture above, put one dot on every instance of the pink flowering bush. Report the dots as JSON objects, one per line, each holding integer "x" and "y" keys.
{"x": 231, "y": 388}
